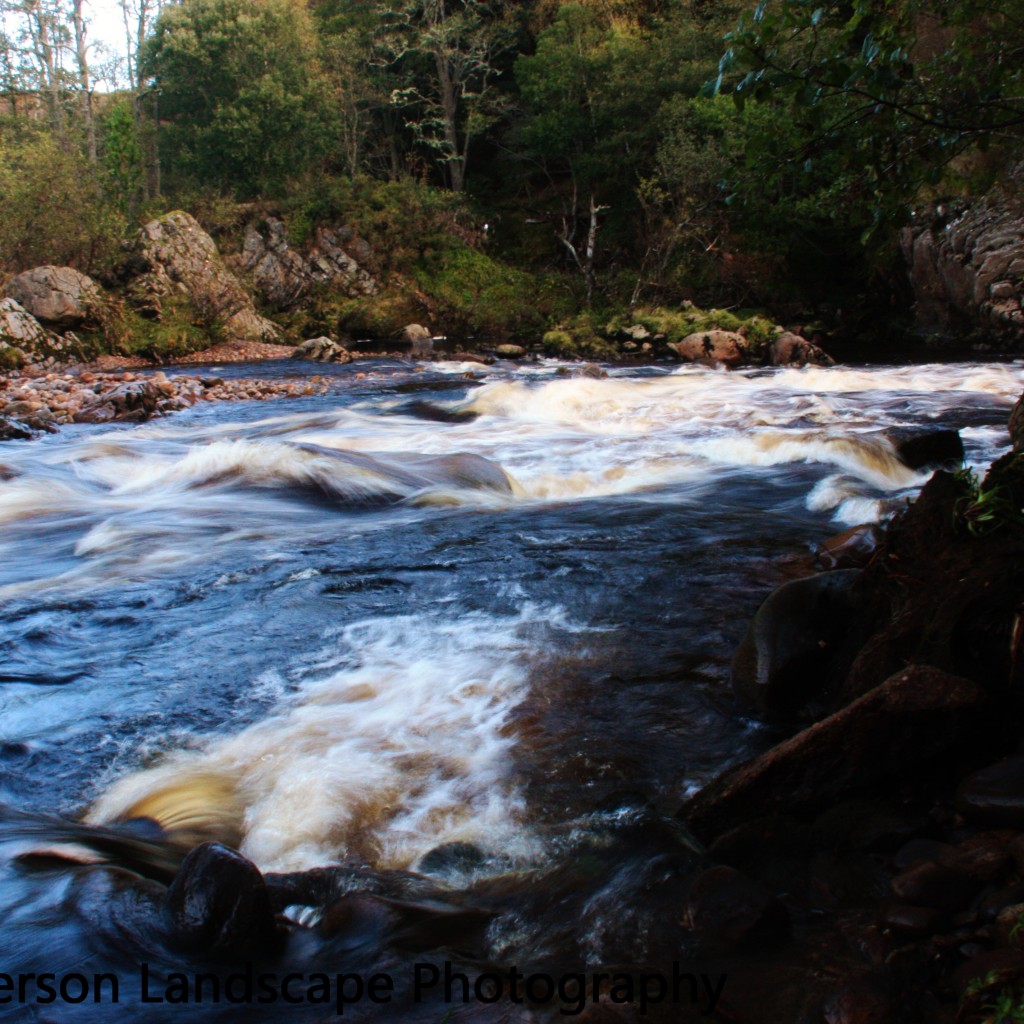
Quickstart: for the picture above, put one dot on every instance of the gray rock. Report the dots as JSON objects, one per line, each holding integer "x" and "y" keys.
{"x": 283, "y": 274}
{"x": 418, "y": 338}
{"x": 322, "y": 350}
{"x": 59, "y": 297}
{"x": 21, "y": 331}
{"x": 175, "y": 258}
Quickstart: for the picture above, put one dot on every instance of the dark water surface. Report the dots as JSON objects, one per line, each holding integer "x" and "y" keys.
{"x": 368, "y": 633}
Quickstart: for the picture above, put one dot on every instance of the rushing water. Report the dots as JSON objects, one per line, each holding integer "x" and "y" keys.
{"x": 440, "y": 604}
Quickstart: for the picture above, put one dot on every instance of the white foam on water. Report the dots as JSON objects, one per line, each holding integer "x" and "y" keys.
{"x": 401, "y": 739}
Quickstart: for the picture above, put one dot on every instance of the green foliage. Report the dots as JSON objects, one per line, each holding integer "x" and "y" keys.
{"x": 54, "y": 208}
{"x": 11, "y": 358}
{"x": 122, "y": 156}
{"x": 899, "y": 90}
{"x": 995, "y": 503}
{"x": 472, "y": 293}
{"x": 177, "y": 333}
{"x": 578, "y": 338}
{"x": 246, "y": 100}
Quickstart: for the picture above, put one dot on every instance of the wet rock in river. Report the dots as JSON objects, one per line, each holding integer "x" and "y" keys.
{"x": 133, "y": 400}
{"x": 322, "y": 350}
{"x": 219, "y": 903}
{"x": 851, "y": 549}
{"x": 716, "y": 346}
{"x": 14, "y": 430}
{"x": 862, "y": 999}
{"x": 919, "y": 447}
{"x": 995, "y": 795}
{"x": 729, "y": 911}
{"x": 789, "y": 349}
{"x": 798, "y": 643}
{"x": 897, "y": 728}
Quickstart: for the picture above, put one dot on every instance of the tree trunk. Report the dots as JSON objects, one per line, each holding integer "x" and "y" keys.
{"x": 81, "y": 54}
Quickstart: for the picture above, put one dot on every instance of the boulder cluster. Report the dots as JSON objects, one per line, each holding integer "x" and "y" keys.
{"x": 883, "y": 837}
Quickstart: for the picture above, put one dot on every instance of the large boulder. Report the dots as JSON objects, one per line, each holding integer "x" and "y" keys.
{"x": 800, "y": 643}
{"x": 175, "y": 258}
{"x": 60, "y": 297}
{"x": 902, "y": 726}
{"x": 1016, "y": 425}
{"x": 715, "y": 346}
{"x": 283, "y": 275}
{"x": 966, "y": 265}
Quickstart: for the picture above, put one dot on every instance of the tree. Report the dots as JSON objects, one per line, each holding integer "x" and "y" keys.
{"x": 585, "y": 95}
{"x": 446, "y": 53}
{"x": 242, "y": 90}
{"x": 900, "y": 89}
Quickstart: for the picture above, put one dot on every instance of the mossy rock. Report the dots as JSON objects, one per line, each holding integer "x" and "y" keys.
{"x": 11, "y": 358}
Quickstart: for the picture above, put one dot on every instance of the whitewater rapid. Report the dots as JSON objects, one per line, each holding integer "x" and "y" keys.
{"x": 463, "y": 586}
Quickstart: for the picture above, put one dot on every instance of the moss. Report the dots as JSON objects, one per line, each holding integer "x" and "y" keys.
{"x": 578, "y": 339}
{"x": 179, "y": 332}
{"x": 11, "y": 358}
{"x": 675, "y": 324}
{"x": 471, "y": 293}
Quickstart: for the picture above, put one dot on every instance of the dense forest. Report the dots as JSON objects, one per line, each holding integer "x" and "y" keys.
{"x": 515, "y": 165}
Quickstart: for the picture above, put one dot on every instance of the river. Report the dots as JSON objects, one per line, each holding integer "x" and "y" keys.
{"x": 441, "y": 604}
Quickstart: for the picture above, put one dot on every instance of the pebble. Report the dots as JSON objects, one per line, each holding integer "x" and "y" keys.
{"x": 47, "y": 401}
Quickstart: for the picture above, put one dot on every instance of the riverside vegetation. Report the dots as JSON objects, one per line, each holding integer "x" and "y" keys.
{"x": 525, "y": 172}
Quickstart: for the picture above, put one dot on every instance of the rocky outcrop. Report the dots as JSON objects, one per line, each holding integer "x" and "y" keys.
{"x": 966, "y": 266}
{"x": 175, "y": 259}
{"x": 59, "y": 297}
{"x": 24, "y": 340}
{"x": 22, "y": 331}
{"x": 283, "y": 275}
